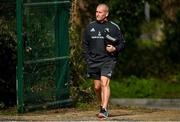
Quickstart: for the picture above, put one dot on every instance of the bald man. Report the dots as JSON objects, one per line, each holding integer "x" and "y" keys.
{"x": 102, "y": 42}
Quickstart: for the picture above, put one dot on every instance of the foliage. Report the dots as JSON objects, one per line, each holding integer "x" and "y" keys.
{"x": 8, "y": 60}
{"x": 130, "y": 18}
{"x": 172, "y": 43}
{"x": 8, "y": 45}
{"x": 83, "y": 94}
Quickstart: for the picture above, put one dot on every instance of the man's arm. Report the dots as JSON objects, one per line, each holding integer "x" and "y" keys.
{"x": 120, "y": 41}
{"x": 115, "y": 44}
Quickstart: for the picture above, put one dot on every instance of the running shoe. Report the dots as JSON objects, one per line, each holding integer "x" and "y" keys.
{"x": 103, "y": 113}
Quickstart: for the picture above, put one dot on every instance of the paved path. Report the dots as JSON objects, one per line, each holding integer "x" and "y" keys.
{"x": 120, "y": 114}
{"x": 149, "y": 103}
{"x": 145, "y": 110}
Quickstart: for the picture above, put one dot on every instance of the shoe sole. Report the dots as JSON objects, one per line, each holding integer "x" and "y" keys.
{"x": 100, "y": 115}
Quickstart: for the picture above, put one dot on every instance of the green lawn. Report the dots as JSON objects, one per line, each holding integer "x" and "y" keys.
{"x": 134, "y": 87}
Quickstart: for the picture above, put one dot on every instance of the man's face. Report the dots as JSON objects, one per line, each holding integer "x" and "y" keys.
{"x": 101, "y": 13}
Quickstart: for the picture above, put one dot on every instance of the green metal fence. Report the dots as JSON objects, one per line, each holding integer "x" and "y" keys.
{"x": 43, "y": 54}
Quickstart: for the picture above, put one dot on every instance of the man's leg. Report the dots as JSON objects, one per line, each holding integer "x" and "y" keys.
{"x": 97, "y": 89}
{"x": 105, "y": 90}
{"x": 106, "y": 73}
{"x": 105, "y": 94}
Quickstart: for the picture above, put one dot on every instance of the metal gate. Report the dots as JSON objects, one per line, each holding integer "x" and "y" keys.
{"x": 43, "y": 54}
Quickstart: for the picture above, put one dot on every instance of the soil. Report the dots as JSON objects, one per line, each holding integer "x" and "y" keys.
{"x": 90, "y": 114}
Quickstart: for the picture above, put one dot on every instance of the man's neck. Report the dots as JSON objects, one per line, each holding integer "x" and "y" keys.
{"x": 103, "y": 21}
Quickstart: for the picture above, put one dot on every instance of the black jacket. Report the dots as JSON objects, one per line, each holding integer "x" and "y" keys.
{"x": 94, "y": 41}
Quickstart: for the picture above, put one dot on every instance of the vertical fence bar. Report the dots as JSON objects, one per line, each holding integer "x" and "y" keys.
{"x": 19, "y": 70}
{"x": 62, "y": 48}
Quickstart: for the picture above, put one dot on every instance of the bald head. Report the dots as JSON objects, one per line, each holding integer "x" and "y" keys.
{"x": 104, "y": 6}
{"x": 102, "y": 12}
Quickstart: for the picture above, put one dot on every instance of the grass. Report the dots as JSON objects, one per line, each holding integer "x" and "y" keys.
{"x": 134, "y": 87}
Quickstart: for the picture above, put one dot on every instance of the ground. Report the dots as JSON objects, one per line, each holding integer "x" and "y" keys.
{"x": 90, "y": 114}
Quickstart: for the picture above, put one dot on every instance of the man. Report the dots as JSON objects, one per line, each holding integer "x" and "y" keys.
{"x": 102, "y": 42}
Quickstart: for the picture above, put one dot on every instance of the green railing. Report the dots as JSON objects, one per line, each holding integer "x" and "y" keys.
{"x": 43, "y": 54}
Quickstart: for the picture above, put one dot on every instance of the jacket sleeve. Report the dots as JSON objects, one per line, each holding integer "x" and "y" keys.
{"x": 85, "y": 47}
{"x": 121, "y": 42}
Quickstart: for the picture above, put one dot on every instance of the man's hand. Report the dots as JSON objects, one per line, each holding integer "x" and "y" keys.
{"x": 110, "y": 48}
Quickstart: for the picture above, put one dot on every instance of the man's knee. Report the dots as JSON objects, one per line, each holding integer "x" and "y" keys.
{"x": 105, "y": 84}
{"x": 97, "y": 85}
{"x": 97, "y": 88}
{"x": 104, "y": 81}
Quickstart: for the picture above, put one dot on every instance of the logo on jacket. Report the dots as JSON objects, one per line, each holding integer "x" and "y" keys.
{"x": 109, "y": 74}
{"x": 99, "y": 33}
{"x": 107, "y": 30}
{"x": 92, "y": 30}
{"x": 98, "y": 36}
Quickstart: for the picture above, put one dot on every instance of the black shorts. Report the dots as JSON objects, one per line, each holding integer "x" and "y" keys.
{"x": 96, "y": 70}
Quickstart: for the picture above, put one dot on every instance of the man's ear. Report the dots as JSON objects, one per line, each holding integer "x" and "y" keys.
{"x": 107, "y": 14}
